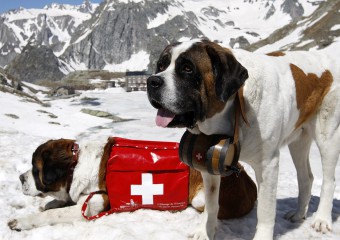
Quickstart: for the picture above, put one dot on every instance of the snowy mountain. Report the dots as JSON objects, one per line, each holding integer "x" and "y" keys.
{"x": 51, "y": 26}
{"x": 122, "y": 30}
{"x": 315, "y": 31}
{"x": 120, "y": 35}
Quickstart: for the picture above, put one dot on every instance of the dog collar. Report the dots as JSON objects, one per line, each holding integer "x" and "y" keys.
{"x": 75, "y": 153}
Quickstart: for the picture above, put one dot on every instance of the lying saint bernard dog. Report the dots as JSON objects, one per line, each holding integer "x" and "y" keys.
{"x": 289, "y": 98}
{"x": 68, "y": 172}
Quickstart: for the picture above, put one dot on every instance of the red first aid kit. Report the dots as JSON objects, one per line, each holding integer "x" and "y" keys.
{"x": 145, "y": 174}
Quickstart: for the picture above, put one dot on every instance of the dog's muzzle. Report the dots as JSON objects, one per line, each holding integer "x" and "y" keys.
{"x": 154, "y": 86}
{"x": 28, "y": 184}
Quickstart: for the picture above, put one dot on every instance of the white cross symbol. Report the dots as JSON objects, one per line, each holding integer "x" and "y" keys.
{"x": 199, "y": 156}
{"x": 147, "y": 190}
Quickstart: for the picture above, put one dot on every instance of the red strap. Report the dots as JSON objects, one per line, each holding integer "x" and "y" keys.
{"x": 84, "y": 207}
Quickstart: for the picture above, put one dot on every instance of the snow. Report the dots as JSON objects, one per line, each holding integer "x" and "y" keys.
{"x": 248, "y": 17}
{"x": 335, "y": 27}
{"x": 20, "y": 137}
{"x": 36, "y": 87}
{"x": 76, "y": 66}
{"x": 51, "y": 11}
{"x": 162, "y": 18}
{"x": 138, "y": 61}
{"x": 127, "y": 1}
{"x": 283, "y": 42}
{"x": 308, "y": 6}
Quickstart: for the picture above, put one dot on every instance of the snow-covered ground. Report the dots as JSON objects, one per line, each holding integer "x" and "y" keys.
{"x": 19, "y": 138}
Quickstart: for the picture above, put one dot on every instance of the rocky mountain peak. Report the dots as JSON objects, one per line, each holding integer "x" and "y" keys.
{"x": 87, "y": 7}
{"x": 29, "y": 64}
{"x": 293, "y": 8}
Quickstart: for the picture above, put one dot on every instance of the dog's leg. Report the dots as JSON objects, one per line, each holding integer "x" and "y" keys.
{"x": 266, "y": 177}
{"x": 323, "y": 217}
{"x": 98, "y": 203}
{"x": 208, "y": 225}
{"x": 69, "y": 214}
{"x": 327, "y": 136}
{"x": 56, "y": 204}
{"x": 299, "y": 150}
{"x": 48, "y": 217}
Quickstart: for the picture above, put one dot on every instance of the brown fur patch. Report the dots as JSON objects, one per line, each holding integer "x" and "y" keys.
{"x": 102, "y": 171}
{"x": 214, "y": 105}
{"x": 310, "y": 91}
{"x": 39, "y": 165}
{"x": 237, "y": 196}
{"x": 208, "y": 95}
{"x": 195, "y": 184}
{"x": 208, "y": 92}
{"x": 276, "y": 54}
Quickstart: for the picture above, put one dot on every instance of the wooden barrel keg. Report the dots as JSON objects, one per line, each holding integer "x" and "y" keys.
{"x": 215, "y": 154}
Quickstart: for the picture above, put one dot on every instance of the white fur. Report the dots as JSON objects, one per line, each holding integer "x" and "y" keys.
{"x": 271, "y": 108}
{"x": 198, "y": 201}
{"x": 225, "y": 120}
{"x": 85, "y": 180}
{"x": 85, "y": 176}
{"x": 28, "y": 186}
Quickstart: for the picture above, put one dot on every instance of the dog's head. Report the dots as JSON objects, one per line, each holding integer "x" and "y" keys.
{"x": 51, "y": 163}
{"x": 193, "y": 81}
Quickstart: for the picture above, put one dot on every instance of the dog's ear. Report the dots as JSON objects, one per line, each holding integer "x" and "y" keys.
{"x": 55, "y": 164}
{"x": 229, "y": 74}
{"x": 52, "y": 174}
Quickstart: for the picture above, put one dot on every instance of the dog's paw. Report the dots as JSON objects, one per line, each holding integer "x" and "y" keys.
{"x": 200, "y": 235}
{"x": 295, "y": 217}
{"x": 264, "y": 232}
{"x": 21, "y": 224}
{"x": 322, "y": 224}
{"x": 13, "y": 225}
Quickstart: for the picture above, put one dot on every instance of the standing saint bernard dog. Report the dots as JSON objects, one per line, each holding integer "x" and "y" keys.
{"x": 289, "y": 98}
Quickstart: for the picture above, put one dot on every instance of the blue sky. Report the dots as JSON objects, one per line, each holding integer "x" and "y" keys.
{"x": 6, "y": 5}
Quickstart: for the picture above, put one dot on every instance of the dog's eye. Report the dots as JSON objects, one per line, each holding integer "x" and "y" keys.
{"x": 163, "y": 63}
{"x": 187, "y": 68}
{"x": 161, "y": 67}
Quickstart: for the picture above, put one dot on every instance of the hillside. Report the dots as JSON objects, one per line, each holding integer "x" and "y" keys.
{"x": 129, "y": 35}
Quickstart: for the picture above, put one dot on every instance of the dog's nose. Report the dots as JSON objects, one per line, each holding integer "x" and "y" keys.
{"x": 22, "y": 178}
{"x": 155, "y": 82}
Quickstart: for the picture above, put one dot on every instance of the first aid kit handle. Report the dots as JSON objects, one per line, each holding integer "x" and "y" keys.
{"x": 85, "y": 204}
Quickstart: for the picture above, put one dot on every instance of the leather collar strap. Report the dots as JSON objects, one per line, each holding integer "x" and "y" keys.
{"x": 239, "y": 108}
{"x": 75, "y": 152}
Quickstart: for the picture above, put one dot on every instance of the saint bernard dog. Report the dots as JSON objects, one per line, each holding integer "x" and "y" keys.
{"x": 289, "y": 99}
{"x": 69, "y": 171}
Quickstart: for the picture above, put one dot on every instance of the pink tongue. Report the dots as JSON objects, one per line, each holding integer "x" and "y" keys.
{"x": 164, "y": 117}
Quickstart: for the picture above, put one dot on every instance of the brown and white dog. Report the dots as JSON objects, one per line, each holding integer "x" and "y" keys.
{"x": 68, "y": 174}
{"x": 290, "y": 98}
